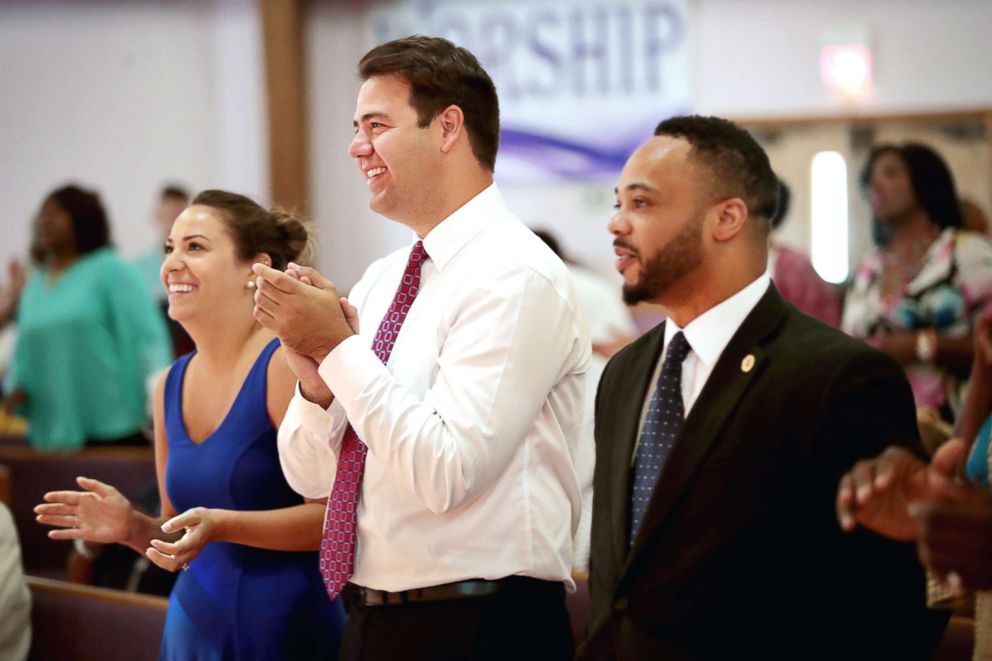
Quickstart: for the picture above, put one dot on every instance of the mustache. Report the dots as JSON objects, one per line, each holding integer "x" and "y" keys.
{"x": 620, "y": 243}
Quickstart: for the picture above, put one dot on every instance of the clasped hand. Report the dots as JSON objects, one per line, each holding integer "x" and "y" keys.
{"x": 305, "y": 311}
{"x": 199, "y": 524}
{"x": 304, "y": 365}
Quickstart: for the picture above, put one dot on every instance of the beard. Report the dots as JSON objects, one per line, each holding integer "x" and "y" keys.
{"x": 670, "y": 264}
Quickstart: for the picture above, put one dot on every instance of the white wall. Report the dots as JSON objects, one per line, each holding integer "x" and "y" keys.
{"x": 122, "y": 97}
{"x": 351, "y": 236}
{"x": 761, "y": 58}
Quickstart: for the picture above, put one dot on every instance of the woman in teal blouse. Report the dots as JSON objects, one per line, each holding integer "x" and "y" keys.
{"x": 89, "y": 336}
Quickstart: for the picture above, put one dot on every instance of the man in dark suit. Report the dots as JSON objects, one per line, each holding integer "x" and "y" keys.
{"x": 722, "y": 433}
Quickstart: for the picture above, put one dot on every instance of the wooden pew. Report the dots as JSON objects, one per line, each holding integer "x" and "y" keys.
{"x": 81, "y": 622}
{"x": 13, "y": 439}
{"x": 5, "y": 486}
{"x": 31, "y": 473}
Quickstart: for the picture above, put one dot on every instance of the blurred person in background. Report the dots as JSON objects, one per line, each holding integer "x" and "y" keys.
{"x": 917, "y": 296}
{"x": 10, "y": 291}
{"x": 250, "y": 586}
{"x": 15, "y": 599}
{"x": 171, "y": 202}
{"x": 610, "y": 329}
{"x": 975, "y": 218}
{"x": 950, "y": 519}
{"x": 793, "y": 274}
{"x": 907, "y": 499}
{"x": 10, "y": 295}
{"x": 89, "y": 337}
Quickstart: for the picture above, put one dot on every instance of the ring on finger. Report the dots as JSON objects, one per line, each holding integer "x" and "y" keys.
{"x": 185, "y": 566}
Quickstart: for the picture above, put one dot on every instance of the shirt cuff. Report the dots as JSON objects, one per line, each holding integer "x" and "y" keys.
{"x": 312, "y": 417}
{"x": 349, "y": 369}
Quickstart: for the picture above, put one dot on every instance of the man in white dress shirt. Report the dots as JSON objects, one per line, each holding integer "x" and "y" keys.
{"x": 470, "y": 498}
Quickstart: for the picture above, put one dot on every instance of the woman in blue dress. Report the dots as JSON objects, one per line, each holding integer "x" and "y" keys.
{"x": 244, "y": 541}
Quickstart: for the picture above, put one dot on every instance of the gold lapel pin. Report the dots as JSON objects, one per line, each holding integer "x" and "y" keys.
{"x": 748, "y": 363}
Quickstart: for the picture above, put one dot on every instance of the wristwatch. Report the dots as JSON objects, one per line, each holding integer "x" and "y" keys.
{"x": 926, "y": 345}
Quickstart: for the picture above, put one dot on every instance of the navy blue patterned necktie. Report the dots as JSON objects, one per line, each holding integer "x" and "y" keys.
{"x": 662, "y": 425}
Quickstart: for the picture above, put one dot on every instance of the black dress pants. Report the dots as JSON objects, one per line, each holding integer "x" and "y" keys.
{"x": 524, "y": 619}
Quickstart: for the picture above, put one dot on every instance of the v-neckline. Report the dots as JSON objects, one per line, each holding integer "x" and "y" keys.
{"x": 230, "y": 409}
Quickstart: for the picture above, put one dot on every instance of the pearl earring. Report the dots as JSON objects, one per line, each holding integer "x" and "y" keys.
{"x": 250, "y": 284}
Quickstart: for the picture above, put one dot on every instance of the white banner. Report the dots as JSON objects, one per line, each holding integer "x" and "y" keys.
{"x": 580, "y": 83}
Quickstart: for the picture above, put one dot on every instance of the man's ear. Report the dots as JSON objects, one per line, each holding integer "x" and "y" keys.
{"x": 452, "y": 123}
{"x": 730, "y": 219}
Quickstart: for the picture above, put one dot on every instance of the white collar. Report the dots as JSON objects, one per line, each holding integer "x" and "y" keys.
{"x": 452, "y": 233}
{"x": 709, "y": 333}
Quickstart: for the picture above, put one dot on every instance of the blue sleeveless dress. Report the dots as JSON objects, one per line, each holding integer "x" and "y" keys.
{"x": 235, "y": 601}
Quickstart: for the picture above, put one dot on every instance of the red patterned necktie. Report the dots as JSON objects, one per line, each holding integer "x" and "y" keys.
{"x": 337, "y": 548}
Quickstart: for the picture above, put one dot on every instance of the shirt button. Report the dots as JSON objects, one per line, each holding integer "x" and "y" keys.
{"x": 621, "y": 604}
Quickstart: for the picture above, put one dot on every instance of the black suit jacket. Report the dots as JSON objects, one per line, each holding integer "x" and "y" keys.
{"x": 740, "y": 554}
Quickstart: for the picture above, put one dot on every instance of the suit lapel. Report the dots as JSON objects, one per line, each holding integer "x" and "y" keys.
{"x": 628, "y": 417}
{"x": 726, "y": 384}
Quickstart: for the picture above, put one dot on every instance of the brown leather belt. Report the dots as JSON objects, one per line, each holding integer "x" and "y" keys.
{"x": 461, "y": 590}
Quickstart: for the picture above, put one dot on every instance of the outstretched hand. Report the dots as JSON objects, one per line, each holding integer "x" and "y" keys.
{"x": 98, "y": 514}
{"x": 877, "y": 493}
{"x": 10, "y": 291}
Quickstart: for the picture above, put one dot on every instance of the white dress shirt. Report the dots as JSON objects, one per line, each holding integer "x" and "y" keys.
{"x": 473, "y": 426}
{"x": 708, "y": 335}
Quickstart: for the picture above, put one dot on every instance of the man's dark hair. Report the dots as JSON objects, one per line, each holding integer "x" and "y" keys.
{"x": 784, "y": 201}
{"x": 441, "y": 74}
{"x": 174, "y": 192}
{"x": 89, "y": 219}
{"x": 737, "y": 163}
{"x": 931, "y": 180}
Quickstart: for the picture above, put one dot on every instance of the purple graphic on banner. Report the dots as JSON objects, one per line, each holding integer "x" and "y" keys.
{"x": 570, "y": 158}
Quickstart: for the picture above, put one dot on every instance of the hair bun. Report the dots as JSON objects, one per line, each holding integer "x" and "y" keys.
{"x": 297, "y": 235}
{"x": 278, "y": 233}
